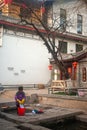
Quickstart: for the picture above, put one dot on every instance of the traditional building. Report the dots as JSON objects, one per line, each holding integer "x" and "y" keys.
{"x": 76, "y": 65}
{"x": 23, "y": 55}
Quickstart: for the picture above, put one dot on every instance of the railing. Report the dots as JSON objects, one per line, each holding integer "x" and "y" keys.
{"x": 57, "y": 85}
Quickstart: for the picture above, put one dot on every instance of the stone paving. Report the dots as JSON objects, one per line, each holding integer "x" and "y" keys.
{"x": 50, "y": 112}
{"x": 7, "y": 125}
{"x": 8, "y": 95}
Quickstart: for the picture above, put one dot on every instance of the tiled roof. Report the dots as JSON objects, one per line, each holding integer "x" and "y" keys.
{"x": 73, "y": 56}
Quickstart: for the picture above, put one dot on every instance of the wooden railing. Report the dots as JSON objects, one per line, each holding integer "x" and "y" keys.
{"x": 57, "y": 85}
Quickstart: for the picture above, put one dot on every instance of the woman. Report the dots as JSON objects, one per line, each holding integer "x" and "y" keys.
{"x": 20, "y": 98}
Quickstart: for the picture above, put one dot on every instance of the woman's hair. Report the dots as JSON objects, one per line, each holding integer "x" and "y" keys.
{"x": 20, "y": 88}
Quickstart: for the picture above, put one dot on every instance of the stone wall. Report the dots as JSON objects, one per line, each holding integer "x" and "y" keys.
{"x": 64, "y": 101}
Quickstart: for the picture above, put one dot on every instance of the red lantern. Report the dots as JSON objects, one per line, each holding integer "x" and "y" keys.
{"x": 74, "y": 64}
{"x": 42, "y": 9}
{"x": 50, "y": 67}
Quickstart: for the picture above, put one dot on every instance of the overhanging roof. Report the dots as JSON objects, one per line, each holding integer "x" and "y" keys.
{"x": 69, "y": 58}
{"x": 75, "y": 56}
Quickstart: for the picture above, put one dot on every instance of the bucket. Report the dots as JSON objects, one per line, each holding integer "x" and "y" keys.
{"x": 21, "y": 111}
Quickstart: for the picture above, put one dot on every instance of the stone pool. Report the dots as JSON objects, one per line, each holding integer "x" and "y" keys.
{"x": 52, "y": 118}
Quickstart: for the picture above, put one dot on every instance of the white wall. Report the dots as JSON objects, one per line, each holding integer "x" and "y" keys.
{"x": 72, "y": 7}
{"x": 20, "y": 54}
{"x": 71, "y": 48}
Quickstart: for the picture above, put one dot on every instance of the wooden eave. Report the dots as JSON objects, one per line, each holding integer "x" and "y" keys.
{"x": 17, "y": 27}
{"x": 77, "y": 57}
{"x": 29, "y": 29}
{"x": 74, "y": 37}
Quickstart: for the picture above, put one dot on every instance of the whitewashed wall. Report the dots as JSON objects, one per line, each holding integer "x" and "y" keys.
{"x": 23, "y": 61}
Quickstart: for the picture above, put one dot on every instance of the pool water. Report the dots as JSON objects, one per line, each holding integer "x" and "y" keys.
{"x": 71, "y": 124}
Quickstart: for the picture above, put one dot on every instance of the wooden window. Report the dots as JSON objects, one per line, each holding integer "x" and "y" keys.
{"x": 27, "y": 14}
{"x": 63, "y": 46}
{"x": 79, "y": 47}
{"x": 79, "y": 24}
{"x": 63, "y": 19}
{"x": 84, "y": 74}
{"x": 0, "y": 12}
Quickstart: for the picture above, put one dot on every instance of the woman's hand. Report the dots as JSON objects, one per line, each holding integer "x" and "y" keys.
{"x": 21, "y": 102}
{"x": 18, "y": 101}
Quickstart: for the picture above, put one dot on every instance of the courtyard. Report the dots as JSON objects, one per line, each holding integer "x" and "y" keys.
{"x": 47, "y": 102}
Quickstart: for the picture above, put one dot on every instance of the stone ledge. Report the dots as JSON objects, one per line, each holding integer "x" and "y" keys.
{"x": 64, "y": 101}
{"x": 82, "y": 117}
{"x": 63, "y": 97}
{"x": 32, "y": 127}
